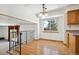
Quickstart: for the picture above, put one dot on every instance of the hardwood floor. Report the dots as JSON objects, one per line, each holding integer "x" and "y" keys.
{"x": 44, "y": 47}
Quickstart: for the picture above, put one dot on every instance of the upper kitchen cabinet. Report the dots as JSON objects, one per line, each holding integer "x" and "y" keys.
{"x": 73, "y": 17}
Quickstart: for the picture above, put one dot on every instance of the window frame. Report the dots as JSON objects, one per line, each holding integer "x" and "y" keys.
{"x": 50, "y": 30}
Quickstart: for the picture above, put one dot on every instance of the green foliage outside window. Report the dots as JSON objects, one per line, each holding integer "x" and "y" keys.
{"x": 50, "y": 25}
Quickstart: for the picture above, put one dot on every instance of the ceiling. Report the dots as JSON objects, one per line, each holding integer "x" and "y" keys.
{"x": 26, "y": 12}
{"x": 36, "y": 8}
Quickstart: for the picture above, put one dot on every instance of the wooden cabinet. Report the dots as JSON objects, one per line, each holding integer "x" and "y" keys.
{"x": 77, "y": 44}
{"x": 66, "y": 41}
{"x": 74, "y": 44}
{"x": 73, "y": 17}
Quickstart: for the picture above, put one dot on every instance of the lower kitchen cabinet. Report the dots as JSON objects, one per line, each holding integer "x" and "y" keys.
{"x": 74, "y": 44}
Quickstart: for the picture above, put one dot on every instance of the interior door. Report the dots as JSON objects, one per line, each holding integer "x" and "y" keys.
{"x": 13, "y": 32}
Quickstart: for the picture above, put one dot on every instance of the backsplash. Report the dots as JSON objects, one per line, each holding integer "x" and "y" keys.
{"x": 73, "y": 27}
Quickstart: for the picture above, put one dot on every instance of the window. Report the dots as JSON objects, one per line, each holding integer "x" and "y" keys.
{"x": 51, "y": 25}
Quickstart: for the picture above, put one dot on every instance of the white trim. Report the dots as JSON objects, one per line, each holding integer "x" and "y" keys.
{"x": 52, "y": 16}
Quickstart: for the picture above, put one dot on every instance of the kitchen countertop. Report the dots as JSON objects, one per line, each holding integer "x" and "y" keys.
{"x": 74, "y": 32}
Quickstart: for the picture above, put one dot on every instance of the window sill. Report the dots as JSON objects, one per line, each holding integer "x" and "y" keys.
{"x": 46, "y": 31}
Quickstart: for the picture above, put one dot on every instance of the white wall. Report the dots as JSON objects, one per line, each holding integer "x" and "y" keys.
{"x": 1, "y": 32}
{"x": 54, "y": 36}
{"x": 4, "y": 31}
{"x": 28, "y": 27}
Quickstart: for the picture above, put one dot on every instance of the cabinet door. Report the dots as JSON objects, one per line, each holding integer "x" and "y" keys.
{"x": 72, "y": 43}
{"x": 77, "y": 16}
{"x": 71, "y": 17}
{"x": 77, "y": 45}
